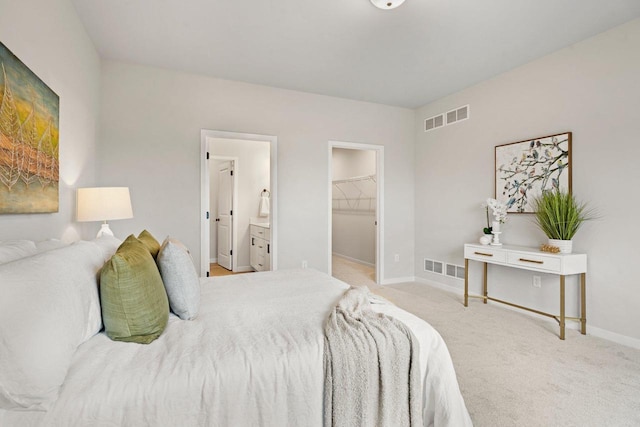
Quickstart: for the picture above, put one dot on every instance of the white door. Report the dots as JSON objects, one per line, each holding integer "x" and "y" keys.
{"x": 225, "y": 214}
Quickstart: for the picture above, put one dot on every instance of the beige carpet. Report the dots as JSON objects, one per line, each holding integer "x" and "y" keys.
{"x": 353, "y": 273}
{"x": 514, "y": 371}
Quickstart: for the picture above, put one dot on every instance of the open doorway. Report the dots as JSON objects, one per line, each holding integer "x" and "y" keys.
{"x": 355, "y": 212}
{"x": 238, "y": 195}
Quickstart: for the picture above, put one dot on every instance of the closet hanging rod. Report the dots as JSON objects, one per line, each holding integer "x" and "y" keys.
{"x": 355, "y": 179}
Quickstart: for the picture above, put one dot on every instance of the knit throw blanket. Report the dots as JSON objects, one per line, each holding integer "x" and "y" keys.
{"x": 372, "y": 371}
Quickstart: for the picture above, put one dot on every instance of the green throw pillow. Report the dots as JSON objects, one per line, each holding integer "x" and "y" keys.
{"x": 150, "y": 242}
{"x": 134, "y": 302}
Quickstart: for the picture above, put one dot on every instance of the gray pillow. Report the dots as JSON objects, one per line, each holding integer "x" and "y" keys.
{"x": 180, "y": 278}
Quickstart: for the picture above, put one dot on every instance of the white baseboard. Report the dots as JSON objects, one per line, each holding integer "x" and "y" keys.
{"x": 397, "y": 280}
{"x": 591, "y": 330}
{"x": 359, "y": 261}
{"x": 213, "y": 261}
{"x": 612, "y": 336}
{"x": 440, "y": 285}
{"x": 243, "y": 269}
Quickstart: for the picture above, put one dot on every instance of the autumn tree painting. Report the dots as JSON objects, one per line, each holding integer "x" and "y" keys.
{"x": 525, "y": 169}
{"x": 29, "y": 164}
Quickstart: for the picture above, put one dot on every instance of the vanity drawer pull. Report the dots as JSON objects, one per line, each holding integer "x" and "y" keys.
{"x": 531, "y": 260}
{"x": 483, "y": 254}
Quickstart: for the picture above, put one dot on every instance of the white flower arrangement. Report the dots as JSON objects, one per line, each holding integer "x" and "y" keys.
{"x": 499, "y": 210}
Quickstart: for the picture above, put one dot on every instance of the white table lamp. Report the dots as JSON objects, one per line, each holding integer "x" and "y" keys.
{"x": 103, "y": 204}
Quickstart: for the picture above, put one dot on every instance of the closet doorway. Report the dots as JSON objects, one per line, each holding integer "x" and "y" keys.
{"x": 355, "y": 189}
{"x": 238, "y": 199}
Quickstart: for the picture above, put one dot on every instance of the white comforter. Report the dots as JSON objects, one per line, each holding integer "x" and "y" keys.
{"x": 252, "y": 357}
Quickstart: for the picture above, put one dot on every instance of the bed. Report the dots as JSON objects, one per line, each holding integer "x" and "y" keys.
{"x": 252, "y": 357}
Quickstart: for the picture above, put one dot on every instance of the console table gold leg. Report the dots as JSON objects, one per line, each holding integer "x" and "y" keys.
{"x": 484, "y": 283}
{"x": 583, "y": 303}
{"x": 466, "y": 282}
{"x": 561, "y": 307}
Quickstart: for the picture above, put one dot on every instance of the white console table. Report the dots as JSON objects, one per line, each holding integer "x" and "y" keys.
{"x": 534, "y": 260}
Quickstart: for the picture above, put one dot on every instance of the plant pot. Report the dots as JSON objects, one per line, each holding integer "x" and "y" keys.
{"x": 565, "y": 246}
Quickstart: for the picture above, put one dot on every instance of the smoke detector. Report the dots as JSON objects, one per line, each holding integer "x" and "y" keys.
{"x": 386, "y": 4}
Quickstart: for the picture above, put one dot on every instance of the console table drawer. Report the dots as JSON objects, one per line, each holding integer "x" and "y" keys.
{"x": 485, "y": 254}
{"x": 534, "y": 261}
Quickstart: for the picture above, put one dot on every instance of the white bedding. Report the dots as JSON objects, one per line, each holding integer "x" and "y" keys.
{"x": 252, "y": 357}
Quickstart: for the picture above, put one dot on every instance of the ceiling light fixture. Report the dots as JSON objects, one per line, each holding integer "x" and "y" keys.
{"x": 387, "y": 4}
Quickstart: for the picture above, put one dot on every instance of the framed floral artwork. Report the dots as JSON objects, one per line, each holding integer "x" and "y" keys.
{"x": 525, "y": 169}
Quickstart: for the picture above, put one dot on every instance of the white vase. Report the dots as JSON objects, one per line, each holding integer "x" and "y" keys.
{"x": 495, "y": 226}
{"x": 565, "y": 246}
{"x": 486, "y": 239}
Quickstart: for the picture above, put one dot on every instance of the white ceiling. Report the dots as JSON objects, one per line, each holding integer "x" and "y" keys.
{"x": 409, "y": 56}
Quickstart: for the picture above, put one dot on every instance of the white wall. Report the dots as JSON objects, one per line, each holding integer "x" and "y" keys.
{"x": 591, "y": 89}
{"x": 150, "y": 141}
{"x": 252, "y": 175}
{"x": 348, "y": 163}
{"x": 354, "y": 234}
{"x": 48, "y": 37}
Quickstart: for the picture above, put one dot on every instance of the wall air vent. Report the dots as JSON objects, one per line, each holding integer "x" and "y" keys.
{"x": 451, "y": 117}
{"x": 433, "y": 266}
{"x": 457, "y": 115}
{"x": 434, "y": 122}
{"x": 455, "y": 271}
{"x": 451, "y": 270}
{"x": 437, "y": 267}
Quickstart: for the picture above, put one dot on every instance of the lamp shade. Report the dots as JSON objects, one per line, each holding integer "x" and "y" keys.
{"x": 103, "y": 203}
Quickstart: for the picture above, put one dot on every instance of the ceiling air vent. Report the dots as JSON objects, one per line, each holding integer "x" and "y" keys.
{"x": 457, "y": 115}
{"x": 434, "y": 122}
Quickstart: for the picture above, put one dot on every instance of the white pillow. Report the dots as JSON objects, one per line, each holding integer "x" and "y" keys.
{"x": 108, "y": 244}
{"x": 49, "y": 245}
{"x": 49, "y": 305}
{"x": 180, "y": 278}
{"x": 11, "y": 250}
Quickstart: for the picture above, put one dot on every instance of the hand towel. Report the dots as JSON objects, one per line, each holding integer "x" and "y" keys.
{"x": 264, "y": 205}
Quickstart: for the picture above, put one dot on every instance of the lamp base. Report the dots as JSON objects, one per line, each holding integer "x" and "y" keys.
{"x": 104, "y": 231}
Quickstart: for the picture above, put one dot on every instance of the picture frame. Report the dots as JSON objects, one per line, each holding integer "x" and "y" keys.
{"x": 29, "y": 140}
{"x": 524, "y": 169}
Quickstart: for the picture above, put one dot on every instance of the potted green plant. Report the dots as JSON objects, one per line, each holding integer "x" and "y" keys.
{"x": 559, "y": 215}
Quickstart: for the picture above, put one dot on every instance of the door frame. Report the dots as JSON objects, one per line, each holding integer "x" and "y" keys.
{"x": 379, "y": 149}
{"x": 205, "y": 195}
{"x": 234, "y": 207}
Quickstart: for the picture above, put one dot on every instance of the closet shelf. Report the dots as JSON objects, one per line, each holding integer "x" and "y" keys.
{"x": 355, "y": 195}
